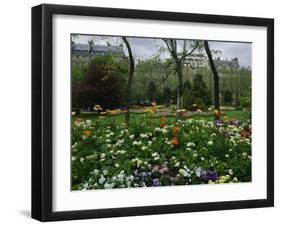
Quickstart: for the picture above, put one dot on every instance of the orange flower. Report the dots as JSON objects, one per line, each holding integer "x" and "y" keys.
{"x": 216, "y": 112}
{"x": 175, "y": 141}
{"x": 87, "y": 133}
{"x": 163, "y": 122}
{"x": 176, "y": 131}
{"x": 244, "y": 134}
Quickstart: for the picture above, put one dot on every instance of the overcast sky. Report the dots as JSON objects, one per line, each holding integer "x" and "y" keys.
{"x": 145, "y": 48}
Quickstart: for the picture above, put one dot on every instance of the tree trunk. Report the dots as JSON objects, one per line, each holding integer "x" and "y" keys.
{"x": 130, "y": 80}
{"x": 216, "y": 79}
{"x": 180, "y": 92}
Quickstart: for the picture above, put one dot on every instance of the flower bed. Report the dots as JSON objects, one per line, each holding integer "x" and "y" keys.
{"x": 158, "y": 153}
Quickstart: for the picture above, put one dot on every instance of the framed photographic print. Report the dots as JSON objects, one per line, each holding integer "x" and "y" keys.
{"x": 147, "y": 112}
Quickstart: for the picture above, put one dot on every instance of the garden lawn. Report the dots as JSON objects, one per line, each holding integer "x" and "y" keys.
{"x": 233, "y": 115}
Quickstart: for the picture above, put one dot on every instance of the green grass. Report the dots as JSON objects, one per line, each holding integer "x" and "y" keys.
{"x": 135, "y": 117}
{"x": 118, "y": 119}
{"x": 236, "y": 115}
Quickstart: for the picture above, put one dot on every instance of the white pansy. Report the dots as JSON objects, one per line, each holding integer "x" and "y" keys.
{"x": 120, "y": 177}
{"x": 121, "y": 152}
{"x": 119, "y": 142}
{"x": 210, "y": 142}
{"x": 198, "y": 171}
{"x": 90, "y": 156}
{"x": 154, "y": 154}
{"x": 190, "y": 144}
{"x": 143, "y": 148}
{"x": 143, "y": 135}
{"x": 183, "y": 172}
{"x": 108, "y": 185}
{"x": 157, "y": 129}
{"x": 137, "y": 143}
{"x": 102, "y": 180}
{"x": 96, "y": 171}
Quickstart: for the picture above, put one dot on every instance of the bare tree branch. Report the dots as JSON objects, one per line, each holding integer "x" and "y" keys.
{"x": 190, "y": 52}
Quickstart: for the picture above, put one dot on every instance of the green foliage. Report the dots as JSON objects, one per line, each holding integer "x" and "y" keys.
{"x": 198, "y": 96}
{"x": 187, "y": 85}
{"x": 78, "y": 71}
{"x": 152, "y": 91}
{"x": 103, "y": 84}
{"x": 246, "y": 100}
{"x": 227, "y": 96}
{"x": 167, "y": 95}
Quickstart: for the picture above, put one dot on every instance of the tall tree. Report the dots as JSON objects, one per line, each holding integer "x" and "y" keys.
{"x": 216, "y": 79}
{"x": 151, "y": 91}
{"x": 130, "y": 80}
{"x": 227, "y": 96}
{"x": 198, "y": 96}
{"x": 167, "y": 95}
{"x": 179, "y": 58}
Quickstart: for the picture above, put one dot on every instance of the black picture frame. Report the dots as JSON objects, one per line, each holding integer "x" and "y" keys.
{"x": 42, "y": 111}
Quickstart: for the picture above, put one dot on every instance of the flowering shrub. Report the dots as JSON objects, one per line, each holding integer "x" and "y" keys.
{"x": 159, "y": 153}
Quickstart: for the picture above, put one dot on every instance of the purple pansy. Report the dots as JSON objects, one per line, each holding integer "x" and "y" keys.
{"x": 207, "y": 175}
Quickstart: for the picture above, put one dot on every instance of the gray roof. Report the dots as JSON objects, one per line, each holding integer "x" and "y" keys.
{"x": 228, "y": 63}
{"x": 108, "y": 49}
